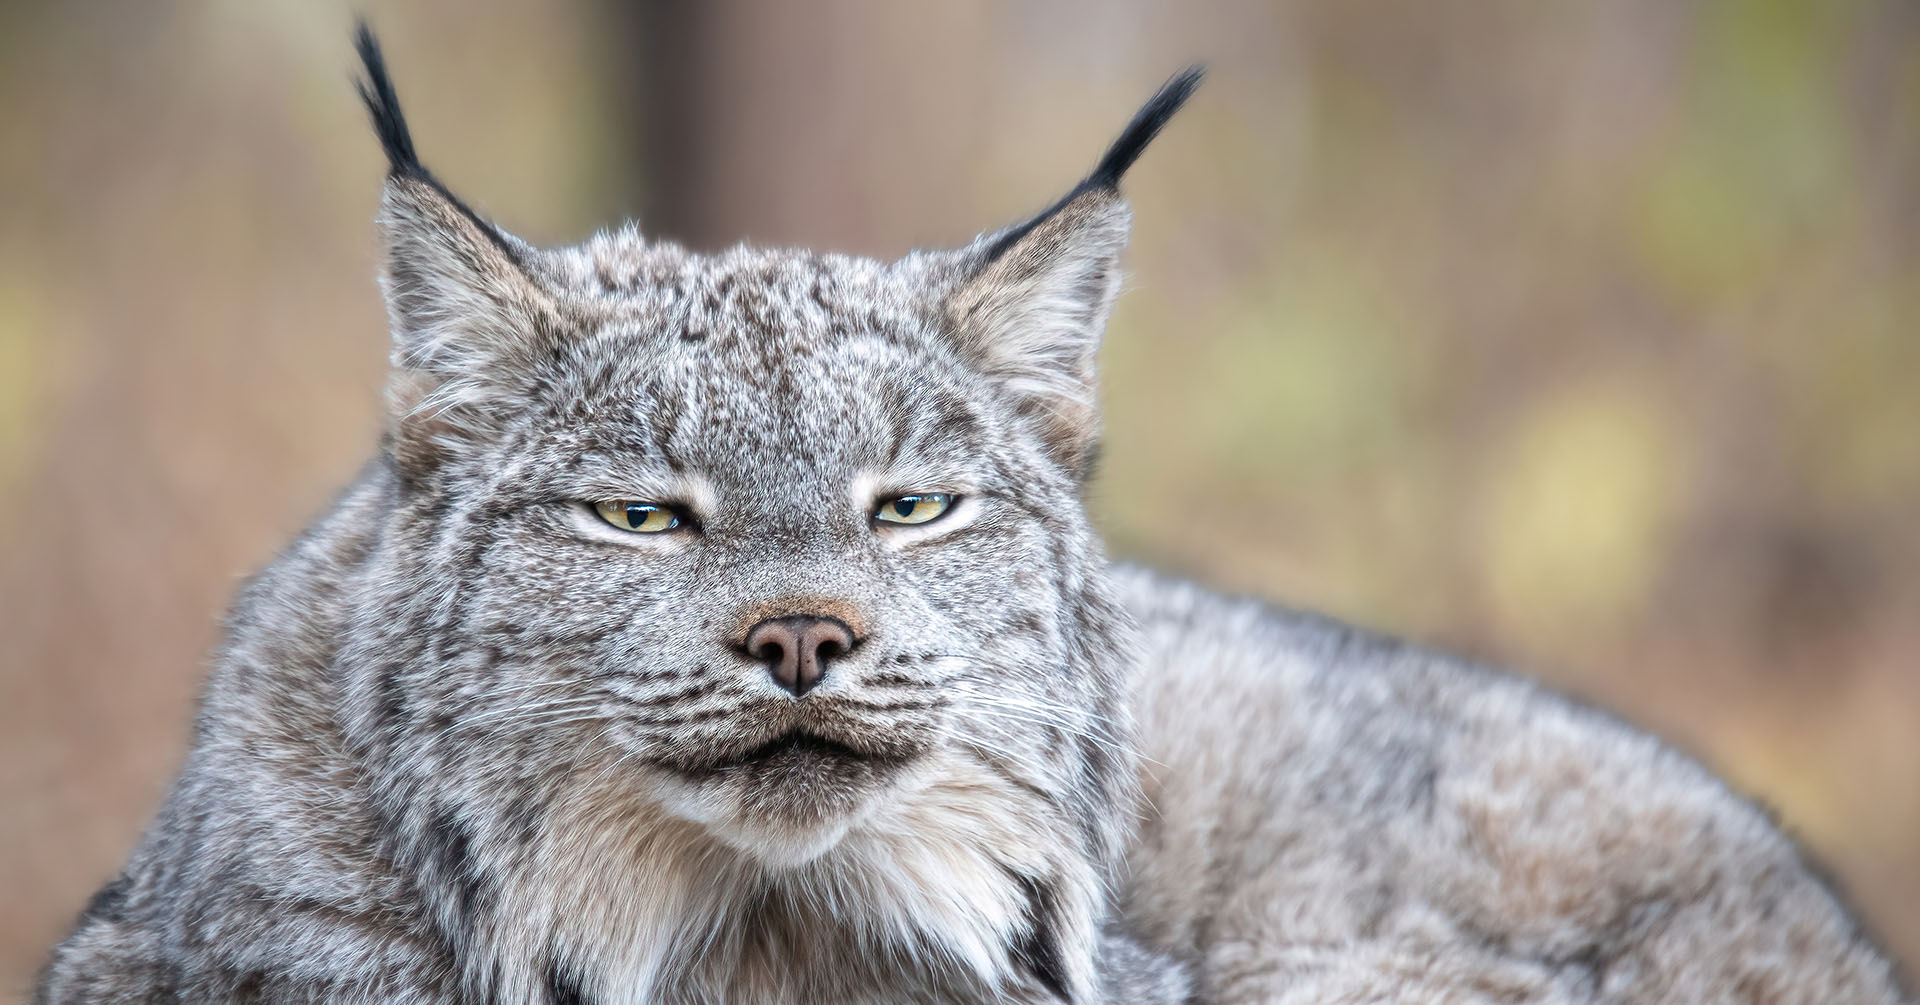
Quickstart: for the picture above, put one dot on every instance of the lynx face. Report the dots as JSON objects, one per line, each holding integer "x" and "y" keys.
{"x": 764, "y": 539}
{"x": 769, "y": 405}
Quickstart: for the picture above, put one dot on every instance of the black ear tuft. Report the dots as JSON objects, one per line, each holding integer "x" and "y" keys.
{"x": 377, "y": 91}
{"x": 391, "y": 126}
{"x": 1144, "y": 127}
{"x": 1119, "y": 157}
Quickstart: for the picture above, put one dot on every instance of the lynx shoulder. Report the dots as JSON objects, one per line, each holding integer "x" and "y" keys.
{"x": 729, "y": 628}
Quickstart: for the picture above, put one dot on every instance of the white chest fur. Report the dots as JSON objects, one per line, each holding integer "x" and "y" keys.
{"x": 922, "y": 896}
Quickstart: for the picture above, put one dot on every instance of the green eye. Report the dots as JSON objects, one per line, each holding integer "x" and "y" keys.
{"x": 639, "y": 517}
{"x": 921, "y": 508}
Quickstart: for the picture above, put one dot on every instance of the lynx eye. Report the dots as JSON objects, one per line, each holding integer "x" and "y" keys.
{"x": 639, "y": 517}
{"x": 921, "y": 508}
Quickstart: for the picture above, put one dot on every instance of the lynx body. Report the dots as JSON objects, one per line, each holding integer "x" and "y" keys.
{"x": 729, "y": 628}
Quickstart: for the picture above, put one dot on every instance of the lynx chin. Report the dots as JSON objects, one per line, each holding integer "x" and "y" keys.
{"x": 729, "y": 628}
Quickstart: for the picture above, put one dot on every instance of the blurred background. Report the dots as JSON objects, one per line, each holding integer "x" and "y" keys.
{"x": 1582, "y": 337}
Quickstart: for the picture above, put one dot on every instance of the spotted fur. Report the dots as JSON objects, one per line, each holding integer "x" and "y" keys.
{"x": 465, "y": 744}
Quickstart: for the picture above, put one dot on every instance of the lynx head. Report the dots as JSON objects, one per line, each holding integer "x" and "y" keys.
{"x": 774, "y": 541}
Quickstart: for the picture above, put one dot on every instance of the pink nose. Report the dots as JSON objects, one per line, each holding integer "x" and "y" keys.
{"x": 796, "y": 648}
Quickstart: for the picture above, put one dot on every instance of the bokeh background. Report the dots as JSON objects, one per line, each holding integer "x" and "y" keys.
{"x": 1580, "y": 336}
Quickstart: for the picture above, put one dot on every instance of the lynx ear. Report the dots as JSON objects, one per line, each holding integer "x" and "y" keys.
{"x": 1034, "y": 298}
{"x": 467, "y": 315}
{"x": 1031, "y": 314}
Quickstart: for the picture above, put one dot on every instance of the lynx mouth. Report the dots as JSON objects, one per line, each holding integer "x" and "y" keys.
{"x": 800, "y": 746}
{"x": 800, "y": 754}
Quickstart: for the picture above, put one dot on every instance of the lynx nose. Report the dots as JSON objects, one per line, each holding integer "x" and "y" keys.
{"x": 796, "y": 648}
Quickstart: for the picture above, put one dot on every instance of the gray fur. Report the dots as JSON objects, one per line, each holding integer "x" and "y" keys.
{"x": 464, "y": 744}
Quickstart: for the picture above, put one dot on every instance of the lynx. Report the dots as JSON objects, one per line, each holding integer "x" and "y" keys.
{"x": 729, "y": 628}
